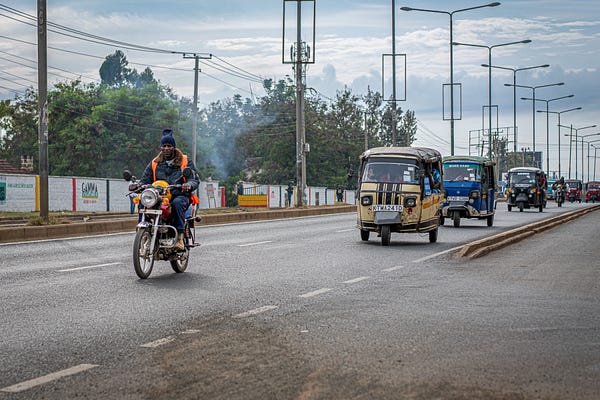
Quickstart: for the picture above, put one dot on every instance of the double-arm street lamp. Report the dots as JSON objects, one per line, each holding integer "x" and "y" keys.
{"x": 533, "y": 88}
{"x": 490, "y": 48}
{"x": 451, "y": 15}
{"x": 559, "y": 126}
{"x": 588, "y": 154}
{"x": 548, "y": 124}
{"x": 514, "y": 71}
{"x": 595, "y": 161}
{"x": 571, "y": 141}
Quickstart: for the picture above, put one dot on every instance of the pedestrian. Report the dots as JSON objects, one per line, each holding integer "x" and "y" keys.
{"x": 289, "y": 191}
{"x": 340, "y": 193}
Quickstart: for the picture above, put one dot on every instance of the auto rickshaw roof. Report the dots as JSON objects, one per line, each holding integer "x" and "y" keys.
{"x": 423, "y": 153}
{"x": 524, "y": 169}
{"x": 477, "y": 159}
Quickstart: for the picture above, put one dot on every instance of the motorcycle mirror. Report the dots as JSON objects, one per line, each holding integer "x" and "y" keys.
{"x": 187, "y": 172}
{"x": 127, "y": 175}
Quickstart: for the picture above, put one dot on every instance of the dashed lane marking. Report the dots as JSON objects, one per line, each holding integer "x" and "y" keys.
{"x": 258, "y": 310}
{"x": 255, "y": 243}
{"x": 89, "y": 267}
{"x": 316, "y": 292}
{"x": 158, "y": 342}
{"x": 360, "y": 278}
{"x": 20, "y": 387}
{"x": 345, "y": 230}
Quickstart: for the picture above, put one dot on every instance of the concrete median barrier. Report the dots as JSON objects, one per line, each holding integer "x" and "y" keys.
{"x": 486, "y": 245}
{"x": 31, "y": 233}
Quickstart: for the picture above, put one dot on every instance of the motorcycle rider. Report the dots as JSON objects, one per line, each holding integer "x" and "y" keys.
{"x": 560, "y": 184}
{"x": 168, "y": 166}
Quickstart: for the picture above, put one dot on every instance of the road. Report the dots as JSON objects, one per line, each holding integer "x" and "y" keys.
{"x": 302, "y": 309}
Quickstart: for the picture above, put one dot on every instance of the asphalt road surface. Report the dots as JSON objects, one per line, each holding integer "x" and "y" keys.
{"x": 303, "y": 309}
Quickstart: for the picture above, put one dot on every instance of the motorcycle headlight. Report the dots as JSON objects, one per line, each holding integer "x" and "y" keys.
{"x": 149, "y": 197}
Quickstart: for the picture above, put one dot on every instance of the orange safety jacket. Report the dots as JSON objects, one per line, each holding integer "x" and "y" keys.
{"x": 193, "y": 198}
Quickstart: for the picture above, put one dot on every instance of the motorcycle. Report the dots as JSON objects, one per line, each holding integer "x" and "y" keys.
{"x": 155, "y": 237}
{"x": 559, "y": 196}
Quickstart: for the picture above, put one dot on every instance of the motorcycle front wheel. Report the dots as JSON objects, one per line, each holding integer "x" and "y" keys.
{"x": 143, "y": 259}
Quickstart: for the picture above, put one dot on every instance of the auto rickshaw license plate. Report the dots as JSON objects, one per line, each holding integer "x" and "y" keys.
{"x": 458, "y": 198}
{"x": 387, "y": 207}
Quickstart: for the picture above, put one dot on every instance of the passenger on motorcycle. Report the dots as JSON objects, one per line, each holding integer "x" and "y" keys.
{"x": 168, "y": 166}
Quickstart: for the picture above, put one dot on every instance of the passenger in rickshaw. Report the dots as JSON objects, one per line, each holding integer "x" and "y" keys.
{"x": 542, "y": 184}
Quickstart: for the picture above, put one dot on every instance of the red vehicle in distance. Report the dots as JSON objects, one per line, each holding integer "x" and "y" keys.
{"x": 574, "y": 188}
{"x": 593, "y": 192}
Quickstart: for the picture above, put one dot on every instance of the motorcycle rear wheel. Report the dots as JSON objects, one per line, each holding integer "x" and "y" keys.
{"x": 143, "y": 260}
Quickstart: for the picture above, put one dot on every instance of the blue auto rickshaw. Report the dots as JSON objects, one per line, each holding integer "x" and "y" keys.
{"x": 470, "y": 186}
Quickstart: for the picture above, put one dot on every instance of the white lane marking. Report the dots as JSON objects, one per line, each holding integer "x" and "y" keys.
{"x": 189, "y": 332}
{"x": 158, "y": 342}
{"x": 316, "y": 292}
{"x": 360, "y": 278}
{"x": 90, "y": 266}
{"x": 397, "y": 267}
{"x": 255, "y": 311}
{"x": 438, "y": 254}
{"x": 19, "y": 387}
{"x": 254, "y": 244}
{"x": 346, "y": 230}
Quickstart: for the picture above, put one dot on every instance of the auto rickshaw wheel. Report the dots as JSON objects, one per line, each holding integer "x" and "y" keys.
{"x": 541, "y": 207}
{"x": 433, "y": 235}
{"x": 521, "y": 206}
{"x": 509, "y": 208}
{"x": 490, "y": 220}
{"x": 442, "y": 220}
{"x": 456, "y": 219}
{"x": 364, "y": 235}
{"x": 386, "y": 235}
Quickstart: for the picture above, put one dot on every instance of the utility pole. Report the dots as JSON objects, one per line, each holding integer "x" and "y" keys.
{"x": 196, "y": 58}
{"x": 300, "y": 55}
{"x": 394, "y": 116}
{"x": 43, "y": 108}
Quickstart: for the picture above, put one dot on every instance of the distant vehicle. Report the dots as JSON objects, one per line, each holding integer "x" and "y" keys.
{"x": 526, "y": 189}
{"x": 574, "y": 188}
{"x": 593, "y": 192}
{"x": 550, "y": 193}
{"x": 470, "y": 185}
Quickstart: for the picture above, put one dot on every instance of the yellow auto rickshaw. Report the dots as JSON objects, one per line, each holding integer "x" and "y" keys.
{"x": 400, "y": 189}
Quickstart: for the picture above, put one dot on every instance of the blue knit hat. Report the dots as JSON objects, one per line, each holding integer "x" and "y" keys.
{"x": 167, "y": 138}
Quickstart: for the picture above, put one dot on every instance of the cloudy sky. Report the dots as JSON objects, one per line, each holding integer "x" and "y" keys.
{"x": 245, "y": 39}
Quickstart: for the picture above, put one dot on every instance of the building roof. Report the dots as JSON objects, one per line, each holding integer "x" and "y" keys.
{"x": 7, "y": 168}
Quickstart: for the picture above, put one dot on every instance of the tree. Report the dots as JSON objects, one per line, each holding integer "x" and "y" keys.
{"x": 114, "y": 71}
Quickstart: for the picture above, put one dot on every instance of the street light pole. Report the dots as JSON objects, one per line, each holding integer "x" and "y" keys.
{"x": 588, "y": 159}
{"x": 514, "y": 71}
{"x": 533, "y": 88}
{"x": 548, "y": 124}
{"x": 588, "y": 156}
{"x": 571, "y": 141}
{"x": 490, "y": 48}
{"x": 559, "y": 126}
{"x": 451, "y": 14}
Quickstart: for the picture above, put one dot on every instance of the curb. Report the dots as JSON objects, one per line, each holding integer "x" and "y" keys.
{"x": 484, "y": 246}
{"x": 30, "y": 233}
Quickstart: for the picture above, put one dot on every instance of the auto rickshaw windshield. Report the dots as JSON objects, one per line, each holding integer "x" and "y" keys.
{"x": 392, "y": 172}
{"x": 459, "y": 172}
{"x": 522, "y": 178}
